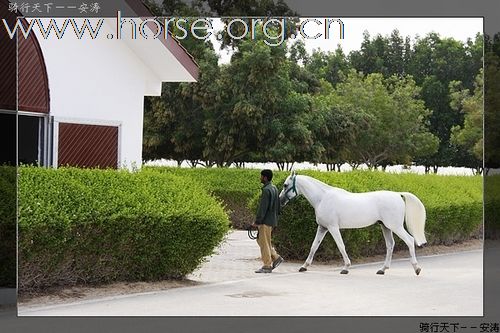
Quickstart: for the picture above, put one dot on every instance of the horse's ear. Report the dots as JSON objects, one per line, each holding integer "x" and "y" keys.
{"x": 293, "y": 173}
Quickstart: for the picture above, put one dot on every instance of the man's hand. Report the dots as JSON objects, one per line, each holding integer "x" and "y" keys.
{"x": 253, "y": 226}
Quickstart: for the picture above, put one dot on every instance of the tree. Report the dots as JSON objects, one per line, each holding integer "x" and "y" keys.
{"x": 273, "y": 103}
{"x": 470, "y": 135}
{"x": 393, "y": 122}
{"x": 414, "y": 117}
{"x": 329, "y": 66}
{"x": 435, "y": 62}
{"x": 336, "y": 126}
{"x": 436, "y": 96}
{"x": 385, "y": 55}
{"x": 250, "y": 91}
{"x": 302, "y": 78}
{"x": 291, "y": 135}
{"x": 395, "y": 54}
{"x": 298, "y": 53}
{"x": 174, "y": 122}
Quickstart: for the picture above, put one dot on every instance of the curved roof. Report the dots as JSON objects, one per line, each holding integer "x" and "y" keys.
{"x": 33, "y": 80}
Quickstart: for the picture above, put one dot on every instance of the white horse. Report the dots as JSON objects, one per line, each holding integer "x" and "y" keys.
{"x": 337, "y": 209}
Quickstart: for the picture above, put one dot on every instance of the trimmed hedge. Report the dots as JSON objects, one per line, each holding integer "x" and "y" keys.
{"x": 453, "y": 217}
{"x": 93, "y": 226}
{"x": 7, "y": 226}
{"x": 453, "y": 205}
{"x": 235, "y": 187}
{"x": 96, "y": 226}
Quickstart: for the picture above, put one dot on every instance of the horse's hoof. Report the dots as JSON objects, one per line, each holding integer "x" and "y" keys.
{"x": 302, "y": 269}
{"x": 380, "y": 272}
{"x": 417, "y": 271}
{"x": 344, "y": 271}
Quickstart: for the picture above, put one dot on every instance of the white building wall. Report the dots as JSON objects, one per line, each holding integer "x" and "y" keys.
{"x": 100, "y": 81}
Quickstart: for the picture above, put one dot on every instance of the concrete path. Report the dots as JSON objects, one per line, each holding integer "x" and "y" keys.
{"x": 449, "y": 285}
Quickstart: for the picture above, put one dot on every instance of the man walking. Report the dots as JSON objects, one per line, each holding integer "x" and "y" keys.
{"x": 267, "y": 218}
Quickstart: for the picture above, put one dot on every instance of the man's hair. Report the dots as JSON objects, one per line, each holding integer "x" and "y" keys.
{"x": 267, "y": 173}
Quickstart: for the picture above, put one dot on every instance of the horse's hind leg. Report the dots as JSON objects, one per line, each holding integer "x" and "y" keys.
{"x": 389, "y": 243}
{"x": 340, "y": 245}
{"x": 320, "y": 234}
{"x": 410, "y": 242}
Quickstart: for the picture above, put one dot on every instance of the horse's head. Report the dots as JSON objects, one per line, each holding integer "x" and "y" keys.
{"x": 289, "y": 190}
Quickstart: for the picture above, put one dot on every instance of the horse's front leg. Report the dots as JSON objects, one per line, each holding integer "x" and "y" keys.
{"x": 320, "y": 234}
{"x": 334, "y": 230}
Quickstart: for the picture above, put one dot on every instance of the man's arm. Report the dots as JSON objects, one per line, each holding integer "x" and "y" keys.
{"x": 263, "y": 206}
{"x": 277, "y": 201}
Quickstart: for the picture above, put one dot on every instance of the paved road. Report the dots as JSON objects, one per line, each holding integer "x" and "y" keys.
{"x": 449, "y": 285}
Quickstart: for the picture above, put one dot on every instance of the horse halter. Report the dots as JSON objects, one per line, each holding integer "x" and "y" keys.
{"x": 293, "y": 188}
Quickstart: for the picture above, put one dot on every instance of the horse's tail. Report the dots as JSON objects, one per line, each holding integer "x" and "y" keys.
{"x": 415, "y": 217}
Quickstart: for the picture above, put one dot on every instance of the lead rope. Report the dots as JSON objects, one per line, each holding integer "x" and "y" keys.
{"x": 252, "y": 233}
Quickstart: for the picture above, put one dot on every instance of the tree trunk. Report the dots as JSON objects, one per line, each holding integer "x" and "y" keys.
{"x": 207, "y": 164}
{"x": 435, "y": 168}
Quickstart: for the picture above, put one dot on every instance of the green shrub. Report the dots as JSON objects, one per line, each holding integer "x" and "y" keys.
{"x": 235, "y": 187}
{"x": 453, "y": 205}
{"x": 95, "y": 226}
{"x": 7, "y": 226}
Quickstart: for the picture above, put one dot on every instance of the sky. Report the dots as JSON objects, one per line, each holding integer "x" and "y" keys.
{"x": 457, "y": 28}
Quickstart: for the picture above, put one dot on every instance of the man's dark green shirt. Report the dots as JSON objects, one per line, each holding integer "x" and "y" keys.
{"x": 269, "y": 206}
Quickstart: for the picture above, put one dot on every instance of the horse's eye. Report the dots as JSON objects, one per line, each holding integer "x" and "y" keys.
{"x": 285, "y": 186}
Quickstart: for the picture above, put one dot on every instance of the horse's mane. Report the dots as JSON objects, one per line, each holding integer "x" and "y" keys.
{"x": 323, "y": 186}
